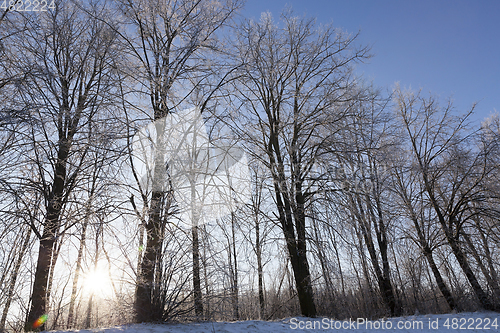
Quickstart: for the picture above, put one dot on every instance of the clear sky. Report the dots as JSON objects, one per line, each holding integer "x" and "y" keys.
{"x": 450, "y": 48}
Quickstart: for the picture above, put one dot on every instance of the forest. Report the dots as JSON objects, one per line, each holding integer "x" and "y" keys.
{"x": 174, "y": 161}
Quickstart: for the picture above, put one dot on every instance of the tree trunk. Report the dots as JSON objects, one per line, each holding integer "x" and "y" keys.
{"x": 256, "y": 202}
{"x": 296, "y": 246}
{"x": 296, "y": 250}
{"x": 260, "y": 272}
{"x": 324, "y": 267}
{"x": 198, "y": 302}
{"x": 439, "y": 279}
{"x": 236, "y": 312}
{"x": 205, "y": 273}
{"x": 493, "y": 273}
{"x": 50, "y": 232}
{"x": 382, "y": 274}
{"x": 447, "y": 220}
{"x": 426, "y": 249}
{"x": 55, "y": 255}
{"x": 144, "y": 308}
{"x": 459, "y": 255}
{"x": 489, "y": 277}
{"x": 302, "y": 277}
{"x": 378, "y": 221}
{"x": 38, "y": 298}
{"x": 471, "y": 277}
{"x": 430, "y": 259}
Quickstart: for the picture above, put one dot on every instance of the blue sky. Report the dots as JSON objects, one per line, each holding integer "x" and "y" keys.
{"x": 450, "y": 48}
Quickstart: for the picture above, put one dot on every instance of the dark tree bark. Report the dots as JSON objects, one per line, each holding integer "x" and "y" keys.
{"x": 296, "y": 245}
{"x": 443, "y": 288}
{"x": 198, "y": 301}
{"x": 260, "y": 271}
{"x": 144, "y": 306}
{"x": 48, "y": 240}
{"x": 234, "y": 270}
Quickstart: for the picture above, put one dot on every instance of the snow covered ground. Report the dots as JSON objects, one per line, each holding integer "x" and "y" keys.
{"x": 460, "y": 322}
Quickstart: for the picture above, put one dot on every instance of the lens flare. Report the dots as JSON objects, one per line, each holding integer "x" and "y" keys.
{"x": 39, "y": 322}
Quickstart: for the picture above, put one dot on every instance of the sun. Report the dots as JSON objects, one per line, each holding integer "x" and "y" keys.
{"x": 97, "y": 282}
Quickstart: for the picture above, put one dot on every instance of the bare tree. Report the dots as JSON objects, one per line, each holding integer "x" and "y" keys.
{"x": 168, "y": 48}
{"x": 292, "y": 80}
{"x": 451, "y": 171}
{"x": 67, "y": 54}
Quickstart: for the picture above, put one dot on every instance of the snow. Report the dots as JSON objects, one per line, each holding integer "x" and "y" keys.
{"x": 459, "y": 322}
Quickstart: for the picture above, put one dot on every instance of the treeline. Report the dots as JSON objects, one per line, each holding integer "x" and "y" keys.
{"x": 352, "y": 202}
